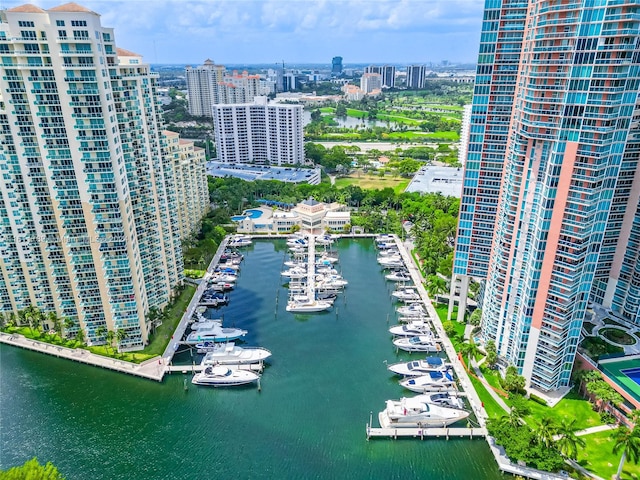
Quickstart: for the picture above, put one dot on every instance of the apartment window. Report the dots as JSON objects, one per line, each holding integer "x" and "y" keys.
{"x": 77, "y": 34}
{"x": 23, "y": 23}
{"x": 59, "y": 23}
{"x": 28, "y": 34}
{"x": 62, "y": 33}
{"x": 78, "y": 23}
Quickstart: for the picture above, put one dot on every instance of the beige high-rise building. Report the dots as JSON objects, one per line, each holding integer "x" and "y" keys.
{"x": 88, "y": 218}
{"x": 190, "y": 182}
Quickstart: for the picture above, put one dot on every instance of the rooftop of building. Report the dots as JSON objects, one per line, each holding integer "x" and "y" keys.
{"x": 259, "y": 172}
{"x": 433, "y": 179}
{"x": 126, "y": 53}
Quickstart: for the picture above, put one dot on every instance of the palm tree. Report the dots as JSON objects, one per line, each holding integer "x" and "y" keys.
{"x": 101, "y": 332}
{"x": 569, "y": 442}
{"x": 68, "y": 325}
{"x": 469, "y": 349}
{"x": 55, "y": 321}
{"x": 109, "y": 338}
{"x": 121, "y": 335}
{"x": 436, "y": 286}
{"x": 545, "y": 431}
{"x": 629, "y": 442}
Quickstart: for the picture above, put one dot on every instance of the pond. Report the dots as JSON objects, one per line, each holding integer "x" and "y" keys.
{"x": 352, "y": 122}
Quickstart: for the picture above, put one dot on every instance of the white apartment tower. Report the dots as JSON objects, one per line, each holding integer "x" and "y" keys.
{"x": 203, "y": 87}
{"x": 190, "y": 182}
{"x": 259, "y": 133}
{"x": 371, "y": 82}
{"x": 87, "y": 206}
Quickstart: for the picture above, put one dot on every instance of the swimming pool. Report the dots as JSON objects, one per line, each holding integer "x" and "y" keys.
{"x": 251, "y": 213}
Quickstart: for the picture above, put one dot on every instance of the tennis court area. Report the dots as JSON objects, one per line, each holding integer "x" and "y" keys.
{"x": 626, "y": 373}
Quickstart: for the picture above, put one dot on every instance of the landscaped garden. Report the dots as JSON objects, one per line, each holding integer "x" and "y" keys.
{"x": 617, "y": 335}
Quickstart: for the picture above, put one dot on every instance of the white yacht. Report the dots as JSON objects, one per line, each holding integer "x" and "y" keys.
{"x": 432, "y": 381}
{"x": 414, "y": 327}
{"x": 296, "y": 272}
{"x": 417, "y": 412}
{"x": 206, "y": 324}
{"x": 398, "y": 276}
{"x": 419, "y": 367}
{"x": 406, "y": 294}
{"x": 239, "y": 241}
{"x": 326, "y": 259}
{"x": 215, "y": 333}
{"x": 412, "y": 311}
{"x": 224, "y": 278}
{"x": 231, "y": 354}
{"x": 306, "y": 305}
{"x": 388, "y": 259}
{"x": 420, "y": 343}
{"x": 221, "y": 376}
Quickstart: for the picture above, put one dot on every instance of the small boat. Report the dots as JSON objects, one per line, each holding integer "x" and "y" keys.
{"x": 214, "y": 334}
{"x": 387, "y": 259}
{"x": 333, "y": 280}
{"x": 444, "y": 399}
{"x": 221, "y": 376}
{"x": 222, "y": 286}
{"x": 238, "y": 241}
{"x": 324, "y": 240}
{"x": 414, "y": 327}
{"x": 384, "y": 237}
{"x": 417, "y": 412}
{"x": 206, "y": 324}
{"x": 224, "y": 278}
{"x": 419, "y": 367}
{"x": 231, "y": 354}
{"x": 297, "y": 242}
{"x": 412, "y": 311}
{"x": 305, "y": 305}
{"x": 432, "y": 381}
{"x": 398, "y": 276}
{"x": 420, "y": 343}
{"x": 294, "y": 264}
{"x": 326, "y": 259}
{"x": 393, "y": 264}
{"x": 296, "y": 272}
{"x": 386, "y": 245}
{"x": 406, "y": 295}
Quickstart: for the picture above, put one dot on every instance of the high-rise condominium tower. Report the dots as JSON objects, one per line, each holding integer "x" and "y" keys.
{"x": 549, "y": 213}
{"x": 416, "y": 76}
{"x": 87, "y": 204}
{"x": 388, "y": 73}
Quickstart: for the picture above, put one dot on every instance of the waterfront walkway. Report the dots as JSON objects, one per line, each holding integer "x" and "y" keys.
{"x": 152, "y": 369}
{"x": 429, "y": 432}
{"x": 172, "y": 346}
{"x": 498, "y": 452}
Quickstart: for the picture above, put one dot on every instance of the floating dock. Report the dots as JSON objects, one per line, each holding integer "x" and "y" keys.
{"x": 422, "y": 433}
{"x": 256, "y": 367}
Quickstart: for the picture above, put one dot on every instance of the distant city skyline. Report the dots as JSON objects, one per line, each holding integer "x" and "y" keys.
{"x": 296, "y": 31}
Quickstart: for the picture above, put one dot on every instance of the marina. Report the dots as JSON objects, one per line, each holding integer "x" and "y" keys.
{"x": 316, "y": 408}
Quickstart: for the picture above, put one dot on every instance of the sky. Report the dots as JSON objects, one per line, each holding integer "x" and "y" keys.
{"x": 296, "y": 31}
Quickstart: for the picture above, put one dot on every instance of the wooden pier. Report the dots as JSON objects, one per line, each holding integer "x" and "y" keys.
{"x": 256, "y": 367}
{"x": 422, "y": 433}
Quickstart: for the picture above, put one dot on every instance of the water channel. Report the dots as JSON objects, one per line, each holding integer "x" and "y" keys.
{"x": 308, "y": 422}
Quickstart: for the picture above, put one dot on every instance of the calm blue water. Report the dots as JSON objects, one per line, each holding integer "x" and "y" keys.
{"x": 308, "y": 422}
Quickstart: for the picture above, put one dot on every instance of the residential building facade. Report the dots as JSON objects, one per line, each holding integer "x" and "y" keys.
{"x": 371, "y": 83}
{"x": 553, "y": 161}
{"x": 416, "y": 76}
{"x": 210, "y": 84}
{"x": 336, "y": 66}
{"x": 259, "y": 133}
{"x": 87, "y": 207}
{"x": 190, "y": 182}
{"x": 388, "y": 73}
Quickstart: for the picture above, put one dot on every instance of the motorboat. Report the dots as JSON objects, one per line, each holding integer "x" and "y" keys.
{"x": 449, "y": 399}
{"x": 414, "y": 318}
{"x": 214, "y": 334}
{"x": 231, "y": 354}
{"x": 334, "y": 280}
{"x": 406, "y": 294}
{"x": 296, "y": 272}
{"x": 398, "y": 276}
{"x": 306, "y": 305}
{"x": 419, "y": 367}
{"x": 326, "y": 270}
{"x": 432, "y": 381}
{"x": 387, "y": 244}
{"x": 412, "y": 311}
{"x": 417, "y": 412}
{"x": 222, "y": 376}
{"x": 325, "y": 259}
{"x": 387, "y": 259}
{"x": 324, "y": 240}
{"x": 206, "y": 324}
{"x": 237, "y": 241}
{"x": 224, "y": 278}
{"x": 384, "y": 237}
{"x": 232, "y": 269}
{"x": 222, "y": 286}
{"x": 298, "y": 242}
{"x": 294, "y": 264}
{"x": 420, "y": 343}
{"x": 388, "y": 252}
{"x": 414, "y": 327}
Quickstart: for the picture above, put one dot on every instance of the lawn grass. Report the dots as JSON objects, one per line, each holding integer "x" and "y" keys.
{"x": 370, "y": 182}
{"x": 443, "y": 310}
{"x": 352, "y": 112}
{"x": 570, "y": 407}
{"x": 597, "y": 457}
{"x": 327, "y": 110}
{"x": 490, "y": 405}
{"x": 162, "y": 335}
{"x": 193, "y": 273}
{"x": 133, "y": 357}
{"x": 413, "y": 135}
{"x": 398, "y": 119}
